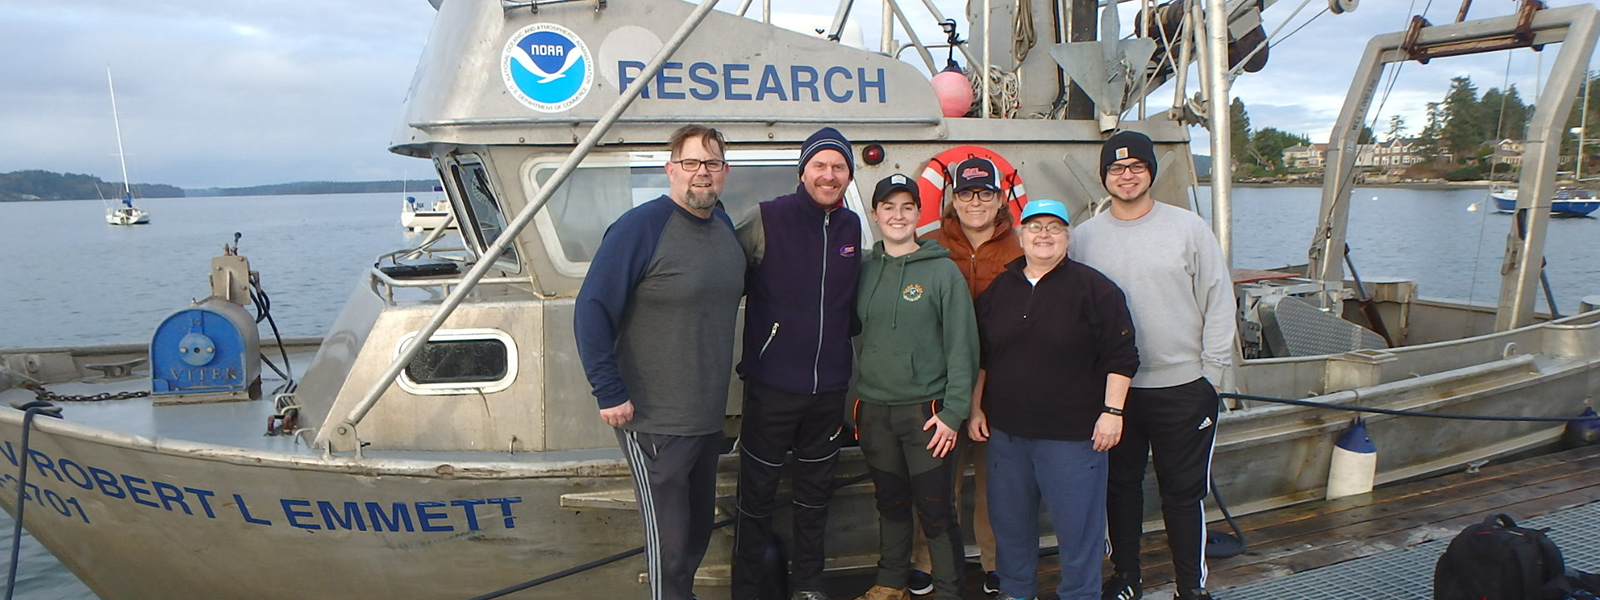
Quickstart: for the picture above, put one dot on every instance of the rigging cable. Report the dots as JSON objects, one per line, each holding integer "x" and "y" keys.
{"x": 1488, "y": 201}
{"x": 31, "y": 410}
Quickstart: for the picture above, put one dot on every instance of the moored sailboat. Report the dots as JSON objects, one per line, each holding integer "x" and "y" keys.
{"x": 127, "y": 213}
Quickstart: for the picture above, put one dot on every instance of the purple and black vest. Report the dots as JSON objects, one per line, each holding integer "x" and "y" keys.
{"x": 800, "y": 308}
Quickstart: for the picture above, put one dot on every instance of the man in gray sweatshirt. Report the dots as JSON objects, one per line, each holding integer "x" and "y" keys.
{"x": 1181, "y": 295}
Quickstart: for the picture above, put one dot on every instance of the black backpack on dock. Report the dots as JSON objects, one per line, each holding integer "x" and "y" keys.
{"x": 1497, "y": 560}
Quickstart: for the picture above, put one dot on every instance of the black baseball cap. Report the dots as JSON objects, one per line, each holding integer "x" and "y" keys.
{"x": 977, "y": 173}
{"x": 894, "y": 183}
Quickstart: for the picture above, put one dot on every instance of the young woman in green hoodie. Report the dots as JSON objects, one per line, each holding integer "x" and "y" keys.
{"x": 918, "y": 365}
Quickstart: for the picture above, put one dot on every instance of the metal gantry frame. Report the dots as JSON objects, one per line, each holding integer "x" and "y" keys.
{"x": 1574, "y": 28}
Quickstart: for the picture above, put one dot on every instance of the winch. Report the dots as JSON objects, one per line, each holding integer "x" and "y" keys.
{"x": 211, "y": 351}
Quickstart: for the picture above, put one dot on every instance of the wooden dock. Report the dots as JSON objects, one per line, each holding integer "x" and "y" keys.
{"x": 1317, "y": 534}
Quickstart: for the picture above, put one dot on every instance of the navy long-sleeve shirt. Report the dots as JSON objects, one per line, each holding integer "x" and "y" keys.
{"x": 655, "y": 318}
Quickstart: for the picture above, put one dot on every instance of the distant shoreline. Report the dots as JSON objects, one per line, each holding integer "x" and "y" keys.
{"x": 1413, "y": 185}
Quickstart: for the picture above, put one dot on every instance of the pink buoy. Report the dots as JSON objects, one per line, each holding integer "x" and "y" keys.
{"x": 953, "y": 90}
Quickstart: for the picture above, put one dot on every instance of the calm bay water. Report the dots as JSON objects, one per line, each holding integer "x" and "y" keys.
{"x": 67, "y": 278}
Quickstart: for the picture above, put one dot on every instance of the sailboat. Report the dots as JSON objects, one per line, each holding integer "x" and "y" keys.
{"x": 444, "y": 442}
{"x": 127, "y": 213}
{"x": 1567, "y": 201}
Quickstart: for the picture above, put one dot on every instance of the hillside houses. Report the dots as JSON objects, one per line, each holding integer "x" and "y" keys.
{"x": 1391, "y": 156}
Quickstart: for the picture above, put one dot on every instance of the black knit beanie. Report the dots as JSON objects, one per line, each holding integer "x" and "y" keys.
{"x": 1127, "y": 144}
{"x": 827, "y": 138}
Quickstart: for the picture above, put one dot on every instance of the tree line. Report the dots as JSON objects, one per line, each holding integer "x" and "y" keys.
{"x": 1455, "y": 142}
{"x": 46, "y": 185}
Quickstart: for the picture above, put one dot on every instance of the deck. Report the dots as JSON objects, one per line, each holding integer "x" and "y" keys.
{"x": 1380, "y": 545}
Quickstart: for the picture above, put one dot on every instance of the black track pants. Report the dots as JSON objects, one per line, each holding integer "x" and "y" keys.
{"x": 774, "y": 424}
{"x": 675, "y": 478}
{"x": 1177, "y": 426}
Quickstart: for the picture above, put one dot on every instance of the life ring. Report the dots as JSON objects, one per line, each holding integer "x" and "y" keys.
{"x": 936, "y": 176}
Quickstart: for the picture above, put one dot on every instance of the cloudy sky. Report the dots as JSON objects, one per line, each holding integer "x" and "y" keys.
{"x": 266, "y": 91}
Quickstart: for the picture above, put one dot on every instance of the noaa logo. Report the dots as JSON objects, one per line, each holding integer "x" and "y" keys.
{"x": 912, "y": 293}
{"x": 547, "y": 67}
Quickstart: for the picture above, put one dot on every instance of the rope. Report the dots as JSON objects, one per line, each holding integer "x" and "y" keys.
{"x": 34, "y": 408}
{"x": 1004, "y": 99}
{"x": 538, "y": 581}
{"x": 1405, "y": 413}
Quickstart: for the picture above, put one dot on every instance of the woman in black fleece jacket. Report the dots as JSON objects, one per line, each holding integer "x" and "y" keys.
{"x": 1057, "y": 355}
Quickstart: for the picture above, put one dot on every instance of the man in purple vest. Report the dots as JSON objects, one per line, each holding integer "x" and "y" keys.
{"x": 804, "y": 253}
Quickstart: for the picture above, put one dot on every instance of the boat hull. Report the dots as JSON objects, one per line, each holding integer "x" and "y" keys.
{"x": 1558, "y": 208}
{"x": 127, "y": 217}
{"x": 219, "y": 524}
{"x": 241, "y": 523}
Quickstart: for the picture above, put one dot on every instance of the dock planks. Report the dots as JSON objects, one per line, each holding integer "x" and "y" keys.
{"x": 1317, "y": 534}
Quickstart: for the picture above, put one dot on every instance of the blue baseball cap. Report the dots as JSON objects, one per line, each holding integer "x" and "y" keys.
{"x": 1046, "y": 207}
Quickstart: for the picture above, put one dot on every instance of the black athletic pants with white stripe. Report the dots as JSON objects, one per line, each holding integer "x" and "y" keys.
{"x": 1177, "y": 426}
{"x": 774, "y": 424}
{"x": 675, "y": 478}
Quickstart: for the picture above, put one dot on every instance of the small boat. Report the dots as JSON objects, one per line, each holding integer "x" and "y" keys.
{"x": 416, "y": 218}
{"x": 127, "y": 214}
{"x": 1566, "y": 202}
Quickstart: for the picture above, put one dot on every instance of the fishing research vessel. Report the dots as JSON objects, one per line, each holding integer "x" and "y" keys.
{"x": 443, "y": 441}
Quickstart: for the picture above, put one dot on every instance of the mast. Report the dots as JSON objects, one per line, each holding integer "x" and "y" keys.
{"x": 127, "y": 188}
{"x": 1216, "y": 80}
{"x": 1583, "y": 128}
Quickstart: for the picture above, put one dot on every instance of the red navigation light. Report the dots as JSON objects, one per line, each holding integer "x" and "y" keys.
{"x": 872, "y": 154}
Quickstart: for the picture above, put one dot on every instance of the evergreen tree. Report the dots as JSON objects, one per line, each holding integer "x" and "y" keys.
{"x": 1240, "y": 136}
{"x": 1464, "y": 121}
{"x": 1397, "y": 128}
{"x": 1429, "y": 146}
{"x": 1268, "y": 144}
{"x": 1505, "y": 114}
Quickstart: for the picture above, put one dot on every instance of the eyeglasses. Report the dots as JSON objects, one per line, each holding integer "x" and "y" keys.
{"x": 977, "y": 196}
{"x": 1053, "y": 228}
{"x": 693, "y": 164}
{"x": 1137, "y": 168}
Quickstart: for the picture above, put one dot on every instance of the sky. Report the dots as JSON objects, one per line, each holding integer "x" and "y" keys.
{"x": 240, "y": 93}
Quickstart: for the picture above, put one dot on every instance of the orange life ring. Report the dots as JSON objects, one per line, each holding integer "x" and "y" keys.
{"x": 936, "y": 176}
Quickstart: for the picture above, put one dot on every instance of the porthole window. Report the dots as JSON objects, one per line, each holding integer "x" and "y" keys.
{"x": 460, "y": 361}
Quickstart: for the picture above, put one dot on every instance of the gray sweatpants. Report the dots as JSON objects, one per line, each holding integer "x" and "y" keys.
{"x": 675, "y": 478}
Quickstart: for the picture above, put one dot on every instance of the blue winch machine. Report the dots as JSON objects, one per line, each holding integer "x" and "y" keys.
{"x": 211, "y": 351}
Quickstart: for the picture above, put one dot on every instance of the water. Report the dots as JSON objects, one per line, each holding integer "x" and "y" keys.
{"x": 70, "y": 279}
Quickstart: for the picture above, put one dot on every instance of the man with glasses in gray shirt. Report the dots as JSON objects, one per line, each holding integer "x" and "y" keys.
{"x": 655, "y": 324}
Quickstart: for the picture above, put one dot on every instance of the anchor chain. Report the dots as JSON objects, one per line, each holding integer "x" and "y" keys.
{"x": 48, "y": 396}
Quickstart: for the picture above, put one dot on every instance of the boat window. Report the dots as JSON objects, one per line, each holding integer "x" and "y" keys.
{"x": 604, "y": 187}
{"x": 484, "y": 216}
{"x": 459, "y": 362}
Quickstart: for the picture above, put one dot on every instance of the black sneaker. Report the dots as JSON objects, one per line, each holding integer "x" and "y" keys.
{"x": 991, "y": 583}
{"x": 921, "y": 583}
{"x": 1196, "y": 594}
{"x": 1123, "y": 586}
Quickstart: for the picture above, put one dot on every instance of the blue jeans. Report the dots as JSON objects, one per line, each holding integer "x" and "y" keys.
{"x": 1071, "y": 479}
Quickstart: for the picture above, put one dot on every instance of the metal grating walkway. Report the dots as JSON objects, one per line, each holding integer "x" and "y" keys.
{"x": 1408, "y": 574}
